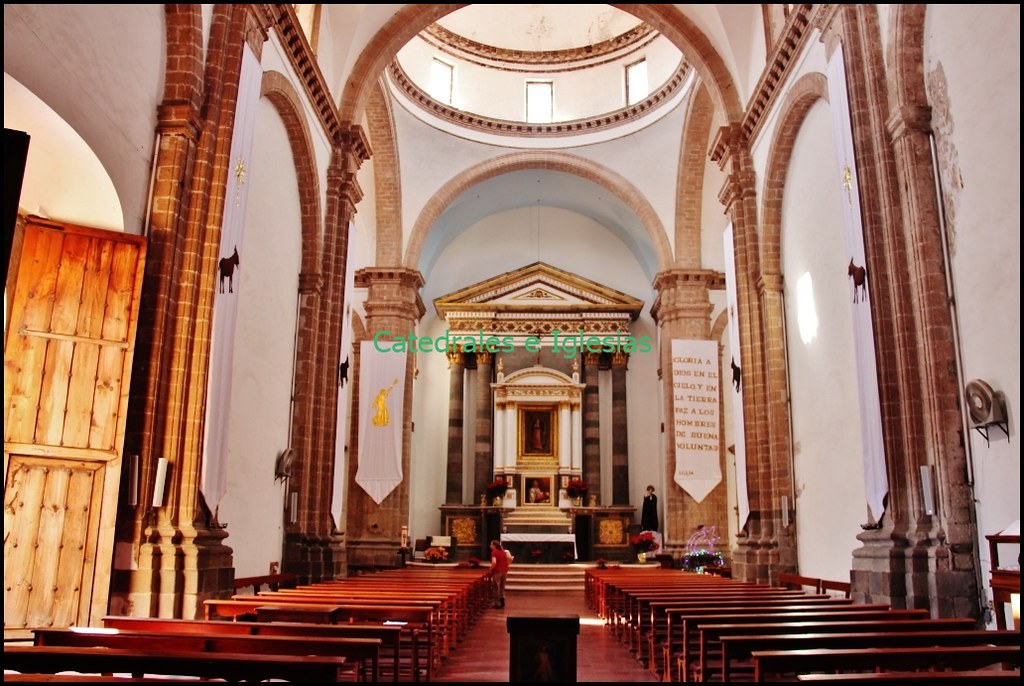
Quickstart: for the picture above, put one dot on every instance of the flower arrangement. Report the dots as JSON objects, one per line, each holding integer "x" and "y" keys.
{"x": 435, "y": 554}
{"x": 568, "y": 557}
{"x": 698, "y": 559}
{"x": 601, "y": 563}
{"x": 577, "y": 488}
{"x": 496, "y": 489}
{"x": 535, "y": 554}
{"x": 644, "y": 542}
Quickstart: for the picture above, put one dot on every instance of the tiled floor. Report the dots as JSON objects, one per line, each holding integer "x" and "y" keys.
{"x": 484, "y": 655}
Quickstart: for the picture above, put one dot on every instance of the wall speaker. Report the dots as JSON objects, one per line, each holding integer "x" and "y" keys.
{"x": 785, "y": 511}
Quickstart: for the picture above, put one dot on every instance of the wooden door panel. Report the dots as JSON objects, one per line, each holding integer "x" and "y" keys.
{"x": 48, "y": 499}
{"x": 67, "y": 364}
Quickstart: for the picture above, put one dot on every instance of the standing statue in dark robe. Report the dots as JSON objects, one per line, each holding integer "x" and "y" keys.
{"x": 649, "y": 513}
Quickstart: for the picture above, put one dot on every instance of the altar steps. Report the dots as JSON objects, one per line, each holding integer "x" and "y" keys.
{"x": 541, "y": 577}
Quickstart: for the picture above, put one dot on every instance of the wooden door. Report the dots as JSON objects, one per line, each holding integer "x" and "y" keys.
{"x": 73, "y": 298}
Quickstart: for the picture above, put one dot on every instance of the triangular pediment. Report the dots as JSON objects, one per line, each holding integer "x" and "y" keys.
{"x": 539, "y": 293}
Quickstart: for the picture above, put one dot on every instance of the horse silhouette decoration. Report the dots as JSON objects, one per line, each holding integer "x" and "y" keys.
{"x": 737, "y": 374}
{"x": 860, "y": 281}
{"x": 227, "y": 271}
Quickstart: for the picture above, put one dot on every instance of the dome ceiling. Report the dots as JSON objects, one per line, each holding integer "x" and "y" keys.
{"x": 472, "y": 70}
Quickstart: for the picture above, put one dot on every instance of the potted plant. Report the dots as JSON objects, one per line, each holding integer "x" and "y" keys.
{"x": 435, "y": 554}
{"x": 643, "y": 543}
{"x": 496, "y": 490}
{"x": 577, "y": 490}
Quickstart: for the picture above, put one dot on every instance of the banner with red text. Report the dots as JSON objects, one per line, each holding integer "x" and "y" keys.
{"x": 696, "y": 431}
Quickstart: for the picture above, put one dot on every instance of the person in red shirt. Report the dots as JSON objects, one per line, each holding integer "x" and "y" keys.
{"x": 500, "y": 561}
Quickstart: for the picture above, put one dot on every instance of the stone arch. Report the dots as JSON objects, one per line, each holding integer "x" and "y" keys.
{"x": 807, "y": 90}
{"x": 281, "y": 94}
{"x": 692, "y": 159}
{"x": 555, "y": 161}
{"x": 387, "y": 178}
{"x": 411, "y": 19}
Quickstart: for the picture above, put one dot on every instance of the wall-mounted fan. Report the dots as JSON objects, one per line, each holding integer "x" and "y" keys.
{"x": 985, "y": 407}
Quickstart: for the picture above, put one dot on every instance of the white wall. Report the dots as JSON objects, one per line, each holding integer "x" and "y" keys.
{"x": 828, "y": 463}
{"x": 253, "y": 507}
{"x": 974, "y": 90}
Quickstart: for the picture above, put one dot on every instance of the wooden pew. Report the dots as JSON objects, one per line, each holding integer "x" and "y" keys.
{"x": 684, "y": 624}
{"x": 272, "y": 581}
{"x": 962, "y": 677}
{"x": 710, "y": 634}
{"x": 416, "y": 622}
{"x": 362, "y": 655}
{"x": 842, "y": 588}
{"x": 800, "y": 582}
{"x": 641, "y": 616}
{"x": 662, "y": 629}
{"x": 739, "y": 648}
{"x": 390, "y": 636}
{"x": 773, "y": 663}
{"x": 657, "y": 633}
{"x": 141, "y": 661}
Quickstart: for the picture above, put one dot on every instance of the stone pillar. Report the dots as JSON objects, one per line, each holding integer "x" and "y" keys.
{"x": 564, "y": 436}
{"x": 682, "y": 309}
{"x": 576, "y": 461}
{"x": 484, "y": 451}
{"x": 913, "y": 559}
{"x": 500, "y": 457}
{"x": 456, "y": 404}
{"x": 374, "y": 531}
{"x": 756, "y": 556}
{"x": 620, "y": 433}
{"x": 592, "y": 426}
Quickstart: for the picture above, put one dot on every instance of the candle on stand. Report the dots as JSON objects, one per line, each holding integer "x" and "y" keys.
{"x": 1015, "y": 605}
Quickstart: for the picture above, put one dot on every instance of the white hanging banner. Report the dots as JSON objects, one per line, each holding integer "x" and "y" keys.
{"x": 225, "y": 309}
{"x": 876, "y": 481}
{"x": 381, "y": 390}
{"x": 696, "y": 430}
{"x": 736, "y": 381}
{"x": 344, "y": 384}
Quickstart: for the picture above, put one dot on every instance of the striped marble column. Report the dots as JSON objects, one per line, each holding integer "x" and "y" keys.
{"x": 456, "y": 405}
{"x": 591, "y": 425}
{"x": 620, "y": 434}
{"x": 484, "y": 457}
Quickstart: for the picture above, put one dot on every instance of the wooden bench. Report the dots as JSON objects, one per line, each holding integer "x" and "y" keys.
{"x": 684, "y": 624}
{"x": 737, "y": 649}
{"x": 710, "y": 634}
{"x": 841, "y": 588}
{"x": 389, "y": 636}
{"x": 800, "y": 582}
{"x": 962, "y": 677}
{"x": 362, "y": 655}
{"x": 271, "y": 581}
{"x": 668, "y": 637}
{"x": 141, "y": 661}
{"x": 774, "y": 663}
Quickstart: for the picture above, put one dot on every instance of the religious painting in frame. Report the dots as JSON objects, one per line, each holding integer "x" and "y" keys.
{"x": 536, "y": 489}
{"x": 538, "y": 431}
